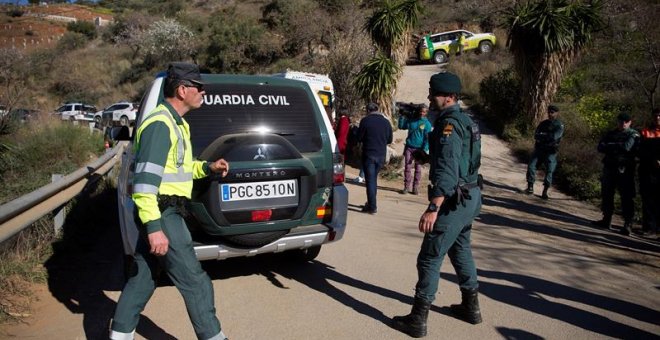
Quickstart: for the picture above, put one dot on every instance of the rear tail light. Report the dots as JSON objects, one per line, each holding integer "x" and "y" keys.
{"x": 261, "y": 215}
{"x": 337, "y": 169}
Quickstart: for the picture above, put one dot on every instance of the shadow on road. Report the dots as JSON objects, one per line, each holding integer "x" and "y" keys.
{"x": 88, "y": 260}
{"x": 315, "y": 275}
{"x": 529, "y": 293}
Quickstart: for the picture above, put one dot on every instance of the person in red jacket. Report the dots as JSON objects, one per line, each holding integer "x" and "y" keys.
{"x": 649, "y": 175}
{"x": 342, "y": 126}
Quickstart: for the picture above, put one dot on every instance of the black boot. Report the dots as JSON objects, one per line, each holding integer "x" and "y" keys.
{"x": 604, "y": 223}
{"x": 544, "y": 195}
{"x": 468, "y": 310}
{"x": 414, "y": 324}
{"x": 530, "y": 188}
{"x": 627, "y": 228}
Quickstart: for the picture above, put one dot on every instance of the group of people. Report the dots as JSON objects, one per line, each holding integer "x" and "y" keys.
{"x": 621, "y": 147}
{"x": 453, "y": 148}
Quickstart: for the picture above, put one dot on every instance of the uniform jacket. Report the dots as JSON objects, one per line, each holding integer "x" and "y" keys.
{"x": 163, "y": 163}
{"x": 619, "y": 147}
{"x": 548, "y": 135}
{"x": 450, "y": 152}
{"x": 418, "y": 130}
{"x": 375, "y": 132}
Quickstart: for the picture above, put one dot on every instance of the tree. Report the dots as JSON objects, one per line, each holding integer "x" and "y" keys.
{"x": 390, "y": 28}
{"x": 545, "y": 37}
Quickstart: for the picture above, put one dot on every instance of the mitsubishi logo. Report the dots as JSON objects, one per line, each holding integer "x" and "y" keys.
{"x": 259, "y": 155}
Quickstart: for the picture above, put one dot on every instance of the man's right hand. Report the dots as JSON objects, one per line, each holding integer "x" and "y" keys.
{"x": 158, "y": 243}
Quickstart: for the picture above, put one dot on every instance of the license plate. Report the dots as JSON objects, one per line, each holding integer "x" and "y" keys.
{"x": 232, "y": 192}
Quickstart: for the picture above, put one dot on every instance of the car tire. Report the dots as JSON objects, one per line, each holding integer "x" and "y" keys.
{"x": 97, "y": 120}
{"x": 439, "y": 57}
{"x": 123, "y": 121}
{"x": 256, "y": 239}
{"x": 305, "y": 255}
{"x": 485, "y": 46}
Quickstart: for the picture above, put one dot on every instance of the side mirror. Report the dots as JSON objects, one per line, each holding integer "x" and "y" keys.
{"x": 120, "y": 133}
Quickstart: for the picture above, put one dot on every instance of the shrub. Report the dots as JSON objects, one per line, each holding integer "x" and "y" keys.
{"x": 500, "y": 94}
{"x": 86, "y": 28}
{"x": 71, "y": 41}
{"x": 596, "y": 113}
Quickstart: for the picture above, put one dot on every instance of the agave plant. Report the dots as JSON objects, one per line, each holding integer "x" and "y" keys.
{"x": 545, "y": 37}
{"x": 375, "y": 82}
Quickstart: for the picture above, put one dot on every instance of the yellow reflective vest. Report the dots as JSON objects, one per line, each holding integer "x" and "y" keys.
{"x": 159, "y": 175}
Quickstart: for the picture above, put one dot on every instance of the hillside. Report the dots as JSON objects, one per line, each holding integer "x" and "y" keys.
{"x": 41, "y": 26}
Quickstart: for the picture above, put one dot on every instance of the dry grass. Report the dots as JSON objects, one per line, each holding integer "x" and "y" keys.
{"x": 472, "y": 68}
{"x": 21, "y": 266}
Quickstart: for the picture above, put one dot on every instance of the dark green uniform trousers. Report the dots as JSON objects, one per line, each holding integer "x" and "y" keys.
{"x": 613, "y": 180}
{"x": 550, "y": 160}
{"x": 451, "y": 236}
{"x": 184, "y": 270}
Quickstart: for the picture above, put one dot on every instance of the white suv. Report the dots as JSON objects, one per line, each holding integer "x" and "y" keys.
{"x": 69, "y": 111}
{"x": 122, "y": 113}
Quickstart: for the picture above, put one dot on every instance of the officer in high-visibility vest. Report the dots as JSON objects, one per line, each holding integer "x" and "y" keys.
{"x": 162, "y": 185}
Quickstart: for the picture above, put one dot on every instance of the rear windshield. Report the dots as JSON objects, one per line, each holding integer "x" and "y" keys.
{"x": 231, "y": 108}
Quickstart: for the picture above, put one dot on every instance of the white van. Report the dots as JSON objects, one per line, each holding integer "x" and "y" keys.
{"x": 320, "y": 84}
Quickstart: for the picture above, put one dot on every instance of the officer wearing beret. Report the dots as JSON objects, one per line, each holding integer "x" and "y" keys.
{"x": 162, "y": 185}
{"x": 618, "y": 146}
{"x": 547, "y": 136}
{"x": 455, "y": 200}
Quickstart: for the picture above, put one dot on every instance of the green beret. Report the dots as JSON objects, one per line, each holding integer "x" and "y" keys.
{"x": 445, "y": 82}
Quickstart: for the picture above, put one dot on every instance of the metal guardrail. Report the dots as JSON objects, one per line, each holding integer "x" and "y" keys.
{"x": 20, "y": 213}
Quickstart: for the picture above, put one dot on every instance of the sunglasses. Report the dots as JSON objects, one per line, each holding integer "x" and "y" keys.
{"x": 199, "y": 87}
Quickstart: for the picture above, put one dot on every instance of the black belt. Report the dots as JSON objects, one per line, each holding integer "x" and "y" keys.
{"x": 180, "y": 203}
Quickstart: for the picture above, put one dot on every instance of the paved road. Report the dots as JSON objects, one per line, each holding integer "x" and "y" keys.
{"x": 543, "y": 271}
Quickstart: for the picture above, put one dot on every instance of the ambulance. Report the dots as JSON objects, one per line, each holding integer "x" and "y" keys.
{"x": 320, "y": 84}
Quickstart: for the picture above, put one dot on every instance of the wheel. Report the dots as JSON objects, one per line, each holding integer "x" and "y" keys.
{"x": 123, "y": 121}
{"x": 440, "y": 57}
{"x": 305, "y": 255}
{"x": 97, "y": 120}
{"x": 485, "y": 46}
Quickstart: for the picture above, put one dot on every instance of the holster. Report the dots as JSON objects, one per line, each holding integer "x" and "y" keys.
{"x": 180, "y": 203}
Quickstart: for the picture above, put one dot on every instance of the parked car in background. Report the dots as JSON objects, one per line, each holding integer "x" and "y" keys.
{"x": 23, "y": 115}
{"x": 439, "y": 46}
{"x": 122, "y": 113}
{"x": 69, "y": 111}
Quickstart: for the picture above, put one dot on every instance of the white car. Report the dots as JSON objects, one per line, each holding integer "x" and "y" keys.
{"x": 70, "y": 111}
{"x": 122, "y": 113}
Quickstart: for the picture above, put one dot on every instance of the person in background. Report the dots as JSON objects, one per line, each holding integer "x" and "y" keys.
{"x": 418, "y": 129}
{"x": 343, "y": 125}
{"x": 548, "y": 135}
{"x": 618, "y": 146}
{"x": 649, "y": 175}
{"x": 162, "y": 185}
{"x": 455, "y": 201}
{"x": 375, "y": 133}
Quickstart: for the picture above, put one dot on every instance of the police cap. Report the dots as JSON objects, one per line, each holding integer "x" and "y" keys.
{"x": 553, "y": 109}
{"x": 623, "y": 117}
{"x": 184, "y": 72}
{"x": 445, "y": 82}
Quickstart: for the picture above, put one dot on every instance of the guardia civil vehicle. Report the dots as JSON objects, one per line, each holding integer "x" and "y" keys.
{"x": 285, "y": 188}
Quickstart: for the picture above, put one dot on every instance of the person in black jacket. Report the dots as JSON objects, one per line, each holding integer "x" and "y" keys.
{"x": 375, "y": 132}
{"x": 618, "y": 146}
{"x": 547, "y": 136}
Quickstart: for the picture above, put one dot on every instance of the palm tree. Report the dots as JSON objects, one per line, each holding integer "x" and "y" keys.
{"x": 375, "y": 82}
{"x": 390, "y": 28}
{"x": 545, "y": 37}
